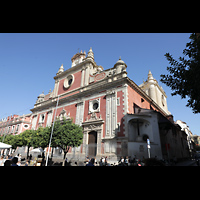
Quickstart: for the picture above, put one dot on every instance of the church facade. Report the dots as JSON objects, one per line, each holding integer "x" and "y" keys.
{"x": 117, "y": 115}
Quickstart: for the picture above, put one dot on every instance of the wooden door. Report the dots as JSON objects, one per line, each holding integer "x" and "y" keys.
{"x": 92, "y": 144}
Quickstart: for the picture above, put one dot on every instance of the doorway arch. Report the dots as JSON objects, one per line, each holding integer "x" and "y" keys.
{"x": 138, "y": 130}
{"x": 92, "y": 144}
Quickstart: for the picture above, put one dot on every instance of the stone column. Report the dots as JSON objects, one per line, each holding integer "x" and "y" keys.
{"x": 82, "y": 76}
{"x": 99, "y": 142}
{"x": 85, "y": 142}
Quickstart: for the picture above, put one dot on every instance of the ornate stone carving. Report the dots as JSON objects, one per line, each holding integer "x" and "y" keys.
{"x": 64, "y": 114}
{"x": 109, "y": 92}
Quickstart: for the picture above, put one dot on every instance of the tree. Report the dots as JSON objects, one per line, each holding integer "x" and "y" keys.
{"x": 184, "y": 74}
{"x": 40, "y": 138}
{"x": 27, "y": 138}
{"x": 14, "y": 140}
{"x": 66, "y": 134}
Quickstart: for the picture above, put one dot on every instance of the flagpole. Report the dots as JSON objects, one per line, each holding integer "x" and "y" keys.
{"x": 52, "y": 132}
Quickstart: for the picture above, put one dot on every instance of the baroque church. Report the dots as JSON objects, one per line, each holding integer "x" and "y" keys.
{"x": 116, "y": 114}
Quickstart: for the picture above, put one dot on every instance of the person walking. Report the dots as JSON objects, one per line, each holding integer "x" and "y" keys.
{"x": 91, "y": 163}
{"x": 14, "y": 161}
{"x": 2, "y": 161}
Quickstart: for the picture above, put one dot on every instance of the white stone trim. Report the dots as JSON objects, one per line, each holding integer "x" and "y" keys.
{"x": 80, "y": 112}
{"x": 125, "y": 108}
{"x": 111, "y": 114}
{"x": 91, "y": 103}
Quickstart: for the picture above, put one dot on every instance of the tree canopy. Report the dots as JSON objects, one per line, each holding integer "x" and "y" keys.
{"x": 183, "y": 74}
{"x": 40, "y": 137}
{"x": 66, "y": 134}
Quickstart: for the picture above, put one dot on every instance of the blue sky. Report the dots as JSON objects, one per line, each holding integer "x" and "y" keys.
{"x": 29, "y": 61}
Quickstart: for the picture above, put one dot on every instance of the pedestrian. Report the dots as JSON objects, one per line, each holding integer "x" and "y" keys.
{"x": 66, "y": 161}
{"x": 106, "y": 162}
{"x": 7, "y": 163}
{"x": 95, "y": 161}
{"x": 91, "y": 163}
{"x": 2, "y": 161}
{"x": 19, "y": 157}
{"x": 26, "y": 164}
{"x": 103, "y": 161}
{"x": 121, "y": 161}
{"x": 19, "y": 162}
{"x": 100, "y": 162}
{"x": 126, "y": 161}
{"x": 14, "y": 161}
{"x": 30, "y": 157}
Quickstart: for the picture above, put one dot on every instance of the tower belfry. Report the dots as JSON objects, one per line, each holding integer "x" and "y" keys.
{"x": 155, "y": 91}
{"x": 78, "y": 58}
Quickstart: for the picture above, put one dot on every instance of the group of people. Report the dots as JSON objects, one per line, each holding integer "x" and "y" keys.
{"x": 10, "y": 160}
{"x": 90, "y": 162}
{"x": 124, "y": 161}
{"x": 93, "y": 161}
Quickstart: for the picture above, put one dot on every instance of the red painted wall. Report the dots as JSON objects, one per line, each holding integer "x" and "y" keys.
{"x": 76, "y": 83}
{"x": 134, "y": 97}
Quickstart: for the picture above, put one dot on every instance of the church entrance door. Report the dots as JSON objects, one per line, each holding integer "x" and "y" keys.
{"x": 92, "y": 144}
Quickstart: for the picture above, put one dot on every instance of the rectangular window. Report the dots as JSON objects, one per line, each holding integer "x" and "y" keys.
{"x": 42, "y": 116}
{"x": 49, "y": 118}
{"x": 34, "y": 122}
{"x": 118, "y": 101}
{"x": 13, "y": 127}
{"x": 17, "y": 128}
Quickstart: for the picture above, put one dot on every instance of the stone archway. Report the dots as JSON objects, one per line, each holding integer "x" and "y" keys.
{"x": 92, "y": 135}
{"x": 136, "y": 130}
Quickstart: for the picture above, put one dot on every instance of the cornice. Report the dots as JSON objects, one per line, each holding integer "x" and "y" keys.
{"x": 92, "y": 88}
{"x": 76, "y": 67}
{"x": 83, "y": 91}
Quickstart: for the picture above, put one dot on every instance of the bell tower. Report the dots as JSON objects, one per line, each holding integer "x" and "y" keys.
{"x": 78, "y": 58}
{"x": 155, "y": 91}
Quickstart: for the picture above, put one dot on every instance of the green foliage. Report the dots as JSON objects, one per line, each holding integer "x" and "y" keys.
{"x": 40, "y": 137}
{"x": 66, "y": 134}
{"x": 14, "y": 140}
{"x": 183, "y": 74}
{"x": 27, "y": 137}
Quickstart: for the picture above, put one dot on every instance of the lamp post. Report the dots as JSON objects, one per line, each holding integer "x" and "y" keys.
{"x": 148, "y": 147}
{"x": 51, "y": 132}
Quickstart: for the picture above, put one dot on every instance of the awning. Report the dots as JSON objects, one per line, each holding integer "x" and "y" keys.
{"x": 4, "y": 146}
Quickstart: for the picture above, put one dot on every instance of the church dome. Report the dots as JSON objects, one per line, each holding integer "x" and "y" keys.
{"x": 120, "y": 62}
{"x": 41, "y": 95}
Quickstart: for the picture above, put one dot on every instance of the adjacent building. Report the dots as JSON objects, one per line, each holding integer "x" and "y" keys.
{"x": 15, "y": 124}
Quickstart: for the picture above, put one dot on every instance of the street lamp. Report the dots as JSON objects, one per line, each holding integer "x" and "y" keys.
{"x": 52, "y": 132}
